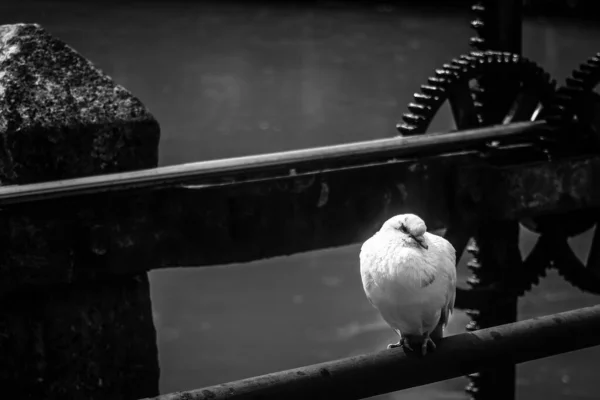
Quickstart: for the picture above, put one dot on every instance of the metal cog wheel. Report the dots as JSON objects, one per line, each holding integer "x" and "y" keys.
{"x": 577, "y": 106}
{"x": 456, "y": 82}
{"x": 577, "y": 102}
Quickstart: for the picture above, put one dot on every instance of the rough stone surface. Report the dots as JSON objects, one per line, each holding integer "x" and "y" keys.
{"x": 60, "y": 117}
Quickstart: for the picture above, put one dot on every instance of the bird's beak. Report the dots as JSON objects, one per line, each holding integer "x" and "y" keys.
{"x": 421, "y": 241}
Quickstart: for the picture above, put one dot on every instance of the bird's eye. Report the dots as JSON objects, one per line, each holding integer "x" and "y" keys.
{"x": 403, "y": 228}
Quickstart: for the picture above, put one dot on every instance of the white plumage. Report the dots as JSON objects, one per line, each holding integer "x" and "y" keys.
{"x": 409, "y": 275}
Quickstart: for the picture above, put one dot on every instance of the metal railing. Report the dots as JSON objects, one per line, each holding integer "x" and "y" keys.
{"x": 303, "y": 162}
{"x": 391, "y": 370}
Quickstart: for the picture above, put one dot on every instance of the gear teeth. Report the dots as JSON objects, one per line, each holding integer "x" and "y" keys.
{"x": 466, "y": 58}
{"x": 416, "y": 108}
{"x": 581, "y": 74}
{"x": 477, "y": 24}
{"x": 586, "y": 69}
{"x": 438, "y": 81}
{"x": 455, "y": 68}
{"x": 424, "y": 98}
{"x": 462, "y": 62}
{"x": 574, "y": 82}
{"x": 472, "y": 326}
{"x": 478, "y": 8}
{"x": 477, "y": 54}
{"x": 473, "y": 249}
{"x": 431, "y": 90}
{"x": 445, "y": 73}
{"x": 570, "y": 99}
{"x": 567, "y": 92}
{"x": 407, "y": 129}
{"x": 413, "y": 119}
{"x": 477, "y": 42}
{"x": 465, "y": 68}
{"x": 473, "y": 281}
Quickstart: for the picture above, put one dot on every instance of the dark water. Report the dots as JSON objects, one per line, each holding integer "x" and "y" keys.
{"x": 228, "y": 80}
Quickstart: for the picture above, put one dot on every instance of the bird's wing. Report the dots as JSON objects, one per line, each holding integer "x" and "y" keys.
{"x": 368, "y": 283}
{"x": 450, "y": 271}
{"x": 366, "y": 262}
{"x": 448, "y": 309}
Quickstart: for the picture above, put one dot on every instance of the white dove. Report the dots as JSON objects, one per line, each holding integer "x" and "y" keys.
{"x": 409, "y": 275}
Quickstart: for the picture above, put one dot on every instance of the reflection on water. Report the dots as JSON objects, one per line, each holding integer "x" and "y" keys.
{"x": 227, "y": 80}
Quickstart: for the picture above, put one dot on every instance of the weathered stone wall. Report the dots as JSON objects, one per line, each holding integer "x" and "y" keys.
{"x": 92, "y": 337}
{"x": 93, "y": 340}
{"x": 60, "y": 117}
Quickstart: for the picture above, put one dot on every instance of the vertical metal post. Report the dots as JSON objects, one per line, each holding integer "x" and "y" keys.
{"x": 496, "y": 247}
{"x": 499, "y": 25}
{"x": 505, "y": 25}
{"x": 496, "y": 260}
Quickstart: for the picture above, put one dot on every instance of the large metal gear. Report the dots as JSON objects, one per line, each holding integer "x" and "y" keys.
{"x": 456, "y": 82}
{"x": 576, "y": 106}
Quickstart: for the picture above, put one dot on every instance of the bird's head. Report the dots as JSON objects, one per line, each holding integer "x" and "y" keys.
{"x": 409, "y": 227}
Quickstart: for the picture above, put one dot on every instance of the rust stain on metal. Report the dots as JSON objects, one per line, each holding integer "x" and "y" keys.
{"x": 414, "y": 167}
{"x": 527, "y": 190}
{"x": 535, "y": 187}
{"x": 323, "y": 195}
{"x": 126, "y": 241}
{"x": 403, "y": 192}
{"x": 295, "y": 184}
{"x": 387, "y": 198}
{"x": 580, "y": 181}
{"x": 419, "y": 168}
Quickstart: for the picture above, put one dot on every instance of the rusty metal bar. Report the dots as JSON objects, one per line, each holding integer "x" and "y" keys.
{"x": 126, "y": 234}
{"x": 390, "y": 370}
{"x": 281, "y": 164}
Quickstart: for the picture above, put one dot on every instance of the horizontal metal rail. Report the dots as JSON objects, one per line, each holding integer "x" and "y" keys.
{"x": 284, "y": 163}
{"x": 390, "y": 370}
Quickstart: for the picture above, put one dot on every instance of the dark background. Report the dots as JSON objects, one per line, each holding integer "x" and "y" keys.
{"x": 236, "y": 78}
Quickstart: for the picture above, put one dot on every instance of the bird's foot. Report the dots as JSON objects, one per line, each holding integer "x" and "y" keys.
{"x": 402, "y": 343}
{"x": 427, "y": 344}
{"x": 412, "y": 343}
{"x": 406, "y": 344}
{"x": 394, "y": 345}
